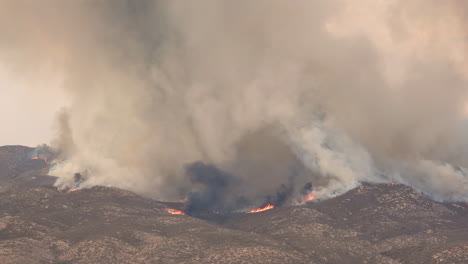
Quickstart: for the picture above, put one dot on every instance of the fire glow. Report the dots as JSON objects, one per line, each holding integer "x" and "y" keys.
{"x": 175, "y": 212}
{"x": 261, "y": 209}
{"x": 307, "y": 198}
{"x": 40, "y": 158}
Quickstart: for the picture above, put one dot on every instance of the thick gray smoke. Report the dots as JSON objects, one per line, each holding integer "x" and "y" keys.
{"x": 332, "y": 92}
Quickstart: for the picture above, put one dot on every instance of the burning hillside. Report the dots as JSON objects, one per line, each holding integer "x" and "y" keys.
{"x": 261, "y": 209}
{"x": 231, "y": 112}
{"x": 109, "y": 225}
{"x": 215, "y": 191}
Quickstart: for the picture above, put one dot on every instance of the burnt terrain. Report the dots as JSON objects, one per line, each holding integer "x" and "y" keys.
{"x": 385, "y": 223}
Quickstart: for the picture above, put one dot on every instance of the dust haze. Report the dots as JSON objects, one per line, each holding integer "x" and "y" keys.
{"x": 334, "y": 92}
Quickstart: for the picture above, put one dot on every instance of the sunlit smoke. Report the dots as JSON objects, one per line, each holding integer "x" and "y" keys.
{"x": 272, "y": 92}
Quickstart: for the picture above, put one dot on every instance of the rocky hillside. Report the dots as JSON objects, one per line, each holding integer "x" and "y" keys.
{"x": 386, "y": 223}
{"x": 19, "y": 170}
{"x": 15, "y": 160}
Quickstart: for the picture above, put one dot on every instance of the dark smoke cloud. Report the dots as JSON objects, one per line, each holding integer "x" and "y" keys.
{"x": 282, "y": 195}
{"x": 307, "y": 188}
{"x": 343, "y": 91}
{"x": 219, "y": 190}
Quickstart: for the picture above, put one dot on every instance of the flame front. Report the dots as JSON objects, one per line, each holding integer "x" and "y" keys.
{"x": 40, "y": 158}
{"x": 307, "y": 198}
{"x": 175, "y": 212}
{"x": 267, "y": 207}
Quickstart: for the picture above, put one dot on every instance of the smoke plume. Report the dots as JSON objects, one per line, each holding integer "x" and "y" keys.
{"x": 217, "y": 191}
{"x": 274, "y": 92}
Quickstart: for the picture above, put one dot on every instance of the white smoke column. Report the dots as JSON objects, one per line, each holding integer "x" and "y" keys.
{"x": 155, "y": 85}
{"x": 332, "y": 154}
{"x": 441, "y": 181}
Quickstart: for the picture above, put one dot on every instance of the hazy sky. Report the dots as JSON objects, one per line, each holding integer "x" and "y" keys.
{"x": 27, "y": 118}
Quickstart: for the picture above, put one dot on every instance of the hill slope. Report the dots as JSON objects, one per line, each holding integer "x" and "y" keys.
{"x": 386, "y": 223}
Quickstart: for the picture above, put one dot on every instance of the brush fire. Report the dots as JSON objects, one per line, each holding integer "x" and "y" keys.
{"x": 218, "y": 193}
{"x": 40, "y": 158}
{"x": 261, "y": 209}
{"x": 202, "y": 203}
{"x": 308, "y": 198}
{"x": 175, "y": 212}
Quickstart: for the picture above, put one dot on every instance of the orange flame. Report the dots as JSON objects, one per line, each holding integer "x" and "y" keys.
{"x": 175, "y": 212}
{"x": 73, "y": 190}
{"x": 40, "y": 158}
{"x": 309, "y": 197}
{"x": 267, "y": 207}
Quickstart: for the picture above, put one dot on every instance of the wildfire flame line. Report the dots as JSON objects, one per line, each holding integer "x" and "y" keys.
{"x": 261, "y": 209}
{"x": 307, "y": 198}
{"x": 175, "y": 212}
{"x": 40, "y": 158}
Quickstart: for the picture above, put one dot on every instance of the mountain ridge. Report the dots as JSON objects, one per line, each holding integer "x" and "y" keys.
{"x": 373, "y": 223}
